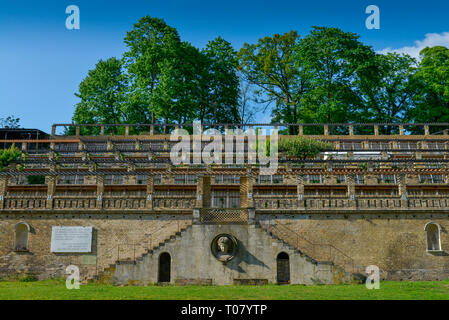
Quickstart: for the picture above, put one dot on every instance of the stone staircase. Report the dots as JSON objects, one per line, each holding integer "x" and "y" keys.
{"x": 323, "y": 267}
{"x": 105, "y": 276}
{"x": 324, "y": 254}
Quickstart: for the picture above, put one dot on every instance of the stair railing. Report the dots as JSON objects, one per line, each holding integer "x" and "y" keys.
{"x": 317, "y": 251}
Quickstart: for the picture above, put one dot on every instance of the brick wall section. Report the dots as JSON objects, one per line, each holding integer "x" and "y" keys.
{"x": 130, "y": 232}
{"x": 392, "y": 242}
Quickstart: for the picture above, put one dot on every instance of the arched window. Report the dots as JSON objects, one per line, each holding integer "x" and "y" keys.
{"x": 164, "y": 267}
{"x": 433, "y": 236}
{"x": 283, "y": 268}
{"x": 22, "y": 229}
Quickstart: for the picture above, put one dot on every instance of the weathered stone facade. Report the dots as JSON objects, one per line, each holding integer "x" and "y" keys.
{"x": 332, "y": 215}
{"x": 115, "y": 237}
{"x": 256, "y": 260}
{"x": 395, "y": 242}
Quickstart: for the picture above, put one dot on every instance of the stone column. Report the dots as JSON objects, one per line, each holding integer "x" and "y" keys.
{"x": 150, "y": 191}
{"x": 350, "y": 180}
{"x": 3, "y": 189}
{"x": 100, "y": 191}
{"x": 300, "y": 191}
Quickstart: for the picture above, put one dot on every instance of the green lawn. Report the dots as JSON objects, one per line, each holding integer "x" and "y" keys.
{"x": 55, "y": 289}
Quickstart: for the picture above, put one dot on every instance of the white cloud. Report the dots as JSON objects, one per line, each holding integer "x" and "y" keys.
{"x": 430, "y": 40}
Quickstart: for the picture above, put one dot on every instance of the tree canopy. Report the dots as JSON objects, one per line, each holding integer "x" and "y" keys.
{"x": 432, "y": 76}
{"x": 326, "y": 76}
{"x": 161, "y": 79}
{"x": 10, "y": 122}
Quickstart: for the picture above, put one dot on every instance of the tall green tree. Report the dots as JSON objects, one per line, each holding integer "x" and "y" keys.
{"x": 333, "y": 60}
{"x": 432, "y": 101}
{"x": 101, "y": 94}
{"x": 174, "y": 99}
{"x": 150, "y": 43}
{"x": 270, "y": 65}
{"x": 388, "y": 93}
{"x": 219, "y": 83}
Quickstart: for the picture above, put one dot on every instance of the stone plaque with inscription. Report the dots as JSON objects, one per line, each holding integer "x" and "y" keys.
{"x": 71, "y": 239}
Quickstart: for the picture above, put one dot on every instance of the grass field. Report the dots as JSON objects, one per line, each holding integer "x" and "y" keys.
{"x": 55, "y": 289}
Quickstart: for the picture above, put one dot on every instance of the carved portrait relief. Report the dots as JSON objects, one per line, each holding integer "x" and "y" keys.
{"x": 224, "y": 247}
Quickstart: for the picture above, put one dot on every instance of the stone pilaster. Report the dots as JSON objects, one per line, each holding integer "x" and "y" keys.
{"x": 203, "y": 192}
{"x": 300, "y": 191}
{"x": 402, "y": 190}
{"x": 3, "y": 189}
{"x": 350, "y": 181}
{"x": 51, "y": 189}
{"x": 100, "y": 191}
{"x": 150, "y": 191}
{"x": 246, "y": 191}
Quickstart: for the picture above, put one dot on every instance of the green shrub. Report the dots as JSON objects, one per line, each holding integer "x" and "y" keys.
{"x": 303, "y": 147}
{"x": 36, "y": 179}
{"x": 9, "y": 155}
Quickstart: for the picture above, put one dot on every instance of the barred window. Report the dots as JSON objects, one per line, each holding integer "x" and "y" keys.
{"x": 19, "y": 180}
{"x": 437, "y": 165}
{"x": 227, "y": 179}
{"x": 431, "y": 178}
{"x": 185, "y": 179}
{"x": 113, "y": 179}
{"x": 225, "y": 199}
{"x": 157, "y": 179}
{"x": 313, "y": 178}
{"x": 71, "y": 179}
{"x": 270, "y": 179}
{"x": 386, "y": 178}
{"x": 359, "y": 179}
{"x": 341, "y": 179}
{"x": 141, "y": 179}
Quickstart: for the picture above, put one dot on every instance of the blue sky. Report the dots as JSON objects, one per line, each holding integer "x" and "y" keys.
{"x": 43, "y": 63}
